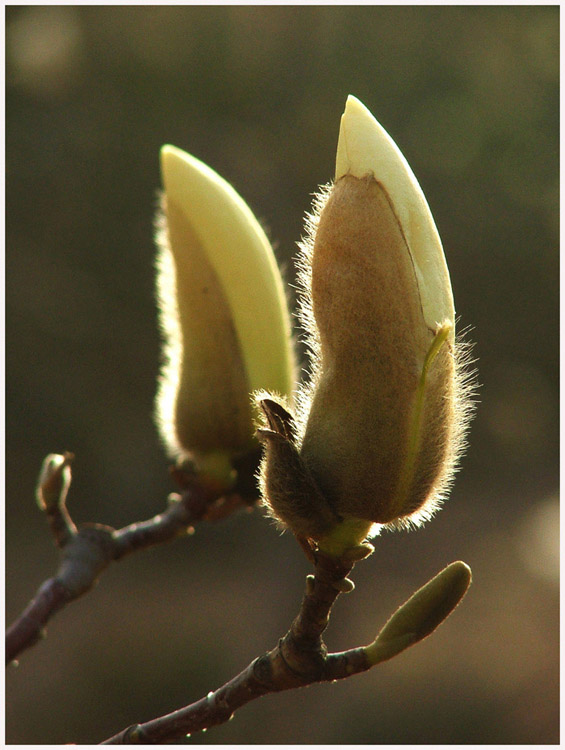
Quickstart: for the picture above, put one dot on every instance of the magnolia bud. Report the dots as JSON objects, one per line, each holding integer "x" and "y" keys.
{"x": 380, "y": 425}
{"x": 223, "y": 315}
{"x": 422, "y": 613}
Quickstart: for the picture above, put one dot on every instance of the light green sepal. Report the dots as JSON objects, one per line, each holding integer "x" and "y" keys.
{"x": 344, "y": 536}
{"x": 217, "y": 465}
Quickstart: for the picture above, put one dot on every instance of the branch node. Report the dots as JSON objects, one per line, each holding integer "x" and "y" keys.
{"x": 132, "y": 735}
{"x": 304, "y": 660}
{"x": 262, "y": 669}
{"x": 85, "y": 556}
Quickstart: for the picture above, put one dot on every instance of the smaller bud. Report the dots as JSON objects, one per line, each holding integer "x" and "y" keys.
{"x": 223, "y": 315}
{"x": 422, "y": 613}
{"x": 54, "y": 482}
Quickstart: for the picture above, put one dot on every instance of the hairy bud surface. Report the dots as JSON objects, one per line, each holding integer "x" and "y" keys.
{"x": 380, "y": 424}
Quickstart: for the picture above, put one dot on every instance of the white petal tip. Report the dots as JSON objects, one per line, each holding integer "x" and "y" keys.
{"x": 169, "y": 155}
{"x": 360, "y": 136}
{"x": 365, "y": 148}
{"x": 177, "y": 167}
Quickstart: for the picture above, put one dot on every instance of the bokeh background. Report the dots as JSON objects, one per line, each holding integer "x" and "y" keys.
{"x": 470, "y": 94}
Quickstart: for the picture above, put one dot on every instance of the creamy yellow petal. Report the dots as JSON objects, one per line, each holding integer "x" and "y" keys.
{"x": 364, "y": 147}
{"x": 243, "y": 260}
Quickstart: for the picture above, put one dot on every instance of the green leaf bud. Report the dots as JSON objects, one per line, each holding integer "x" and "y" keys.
{"x": 422, "y": 613}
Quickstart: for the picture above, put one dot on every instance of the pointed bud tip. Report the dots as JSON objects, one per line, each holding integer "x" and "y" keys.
{"x": 457, "y": 577}
{"x": 365, "y": 148}
{"x": 179, "y": 169}
{"x": 168, "y": 155}
{"x": 363, "y": 143}
{"x": 173, "y": 161}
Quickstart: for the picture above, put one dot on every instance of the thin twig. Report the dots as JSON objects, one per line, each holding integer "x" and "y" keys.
{"x": 87, "y": 551}
{"x": 29, "y": 627}
{"x": 299, "y": 659}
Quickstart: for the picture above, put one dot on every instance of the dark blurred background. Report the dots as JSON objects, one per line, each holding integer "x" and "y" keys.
{"x": 470, "y": 94}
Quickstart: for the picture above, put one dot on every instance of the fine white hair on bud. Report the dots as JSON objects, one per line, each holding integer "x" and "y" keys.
{"x": 223, "y": 316}
{"x": 381, "y": 423}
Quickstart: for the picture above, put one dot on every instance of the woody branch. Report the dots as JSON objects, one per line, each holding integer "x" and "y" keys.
{"x": 299, "y": 659}
{"x": 87, "y": 551}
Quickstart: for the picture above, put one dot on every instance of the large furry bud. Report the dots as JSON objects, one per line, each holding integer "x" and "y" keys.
{"x": 381, "y": 422}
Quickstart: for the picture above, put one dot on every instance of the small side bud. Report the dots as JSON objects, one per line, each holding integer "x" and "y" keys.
{"x": 54, "y": 482}
{"x": 289, "y": 492}
{"x": 422, "y": 613}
